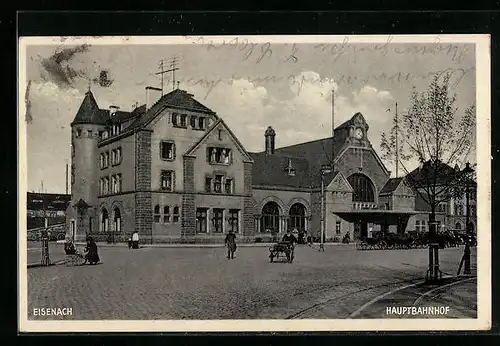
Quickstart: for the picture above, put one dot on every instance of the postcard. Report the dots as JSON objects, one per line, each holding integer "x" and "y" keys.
{"x": 254, "y": 183}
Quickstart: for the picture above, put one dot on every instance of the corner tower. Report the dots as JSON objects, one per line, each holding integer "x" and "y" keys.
{"x": 85, "y": 133}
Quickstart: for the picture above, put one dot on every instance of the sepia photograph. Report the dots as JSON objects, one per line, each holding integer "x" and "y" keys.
{"x": 254, "y": 183}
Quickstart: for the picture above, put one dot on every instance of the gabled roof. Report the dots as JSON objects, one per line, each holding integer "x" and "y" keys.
{"x": 178, "y": 98}
{"x": 221, "y": 122}
{"x": 391, "y": 185}
{"x": 443, "y": 172}
{"x": 271, "y": 170}
{"x": 89, "y": 112}
{"x": 81, "y": 204}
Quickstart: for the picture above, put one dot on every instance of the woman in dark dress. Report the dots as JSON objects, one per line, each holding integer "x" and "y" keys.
{"x": 230, "y": 242}
{"x": 91, "y": 252}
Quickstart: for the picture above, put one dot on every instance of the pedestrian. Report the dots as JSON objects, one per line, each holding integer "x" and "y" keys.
{"x": 370, "y": 232}
{"x": 230, "y": 242}
{"x": 135, "y": 240}
{"x": 91, "y": 254}
{"x": 130, "y": 242}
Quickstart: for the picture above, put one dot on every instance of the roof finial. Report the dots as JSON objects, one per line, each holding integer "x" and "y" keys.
{"x": 90, "y": 84}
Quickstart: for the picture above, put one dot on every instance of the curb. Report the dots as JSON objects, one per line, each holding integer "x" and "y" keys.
{"x": 38, "y": 265}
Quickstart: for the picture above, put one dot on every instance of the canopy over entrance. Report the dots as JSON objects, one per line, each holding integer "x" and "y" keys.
{"x": 391, "y": 217}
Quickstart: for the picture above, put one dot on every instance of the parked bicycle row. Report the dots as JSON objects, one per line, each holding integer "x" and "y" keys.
{"x": 413, "y": 240}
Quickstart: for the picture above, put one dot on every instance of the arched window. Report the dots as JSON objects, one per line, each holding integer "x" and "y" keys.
{"x": 269, "y": 221}
{"x": 104, "y": 220}
{"x": 157, "y": 214}
{"x": 458, "y": 226}
{"x": 363, "y": 190}
{"x": 297, "y": 217}
{"x": 117, "y": 219}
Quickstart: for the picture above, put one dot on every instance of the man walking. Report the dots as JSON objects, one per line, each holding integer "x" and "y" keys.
{"x": 135, "y": 240}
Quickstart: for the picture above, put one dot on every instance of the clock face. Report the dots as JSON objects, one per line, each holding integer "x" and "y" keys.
{"x": 359, "y": 133}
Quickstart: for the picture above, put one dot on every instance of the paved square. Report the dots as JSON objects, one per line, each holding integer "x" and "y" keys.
{"x": 201, "y": 283}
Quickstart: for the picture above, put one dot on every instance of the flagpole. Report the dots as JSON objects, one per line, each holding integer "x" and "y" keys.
{"x": 397, "y": 145}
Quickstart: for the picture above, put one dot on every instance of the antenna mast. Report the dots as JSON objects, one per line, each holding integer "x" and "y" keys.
{"x": 333, "y": 128}
{"x": 172, "y": 68}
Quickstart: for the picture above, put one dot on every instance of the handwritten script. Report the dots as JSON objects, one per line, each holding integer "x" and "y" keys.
{"x": 297, "y": 83}
{"x": 259, "y": 51}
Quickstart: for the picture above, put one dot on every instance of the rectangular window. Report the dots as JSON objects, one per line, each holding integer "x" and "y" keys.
{"x": 176, "y": 214}
{"x": 118, "y": 156}
{"x": 78, "y": 133}
{"x": 166, "y": 214}
{"x": 113, "y": 157}
{"x": 175, "y": 119}
{"x": 89, "y": 133}
{"x": 193, "y": 121}
{"x": 118, "y": 183}
{"x": 234, "y": 221}
{"x": 417, "y": 225}
{"x": 219, "y": 156}
{"x": 218, "y": 183}
{"x": 167, "y": 150}
{"x": 106, "y": 185}
{"x": 208, "y": 184}
{"x": 423, "y": 226}
{"x": 106, "y": 159}
{"x": 113, "y": 184}
{"x": 218, "y": 220}
{"x": 183, "y": 120}
{"x": 201, "y": 220}
{"x": 201, "y": 123}
{"x": 228, "y": 186}
{"x": 337, "y": 227}
{"x": 167, "y": 180}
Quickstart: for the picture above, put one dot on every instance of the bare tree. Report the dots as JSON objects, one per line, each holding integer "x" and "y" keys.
{"x": 434, "y": 133}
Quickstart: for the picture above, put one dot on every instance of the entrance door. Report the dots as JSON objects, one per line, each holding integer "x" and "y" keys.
{"x": 360, "y": 230}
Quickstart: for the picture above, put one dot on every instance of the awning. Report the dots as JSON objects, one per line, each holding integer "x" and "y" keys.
{"x": 376, "y": 216}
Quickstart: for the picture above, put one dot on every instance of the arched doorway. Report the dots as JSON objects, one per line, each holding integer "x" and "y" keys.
{"x": 363, "y": 190}
{"x": 104, "y": 220}
{"x": 269, "y": 221}
{"x": 117, "y": 220}
{"x": 297, "y": 217}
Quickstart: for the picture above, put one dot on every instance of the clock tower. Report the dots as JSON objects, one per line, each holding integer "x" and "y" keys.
{"x": 358, "y": 129}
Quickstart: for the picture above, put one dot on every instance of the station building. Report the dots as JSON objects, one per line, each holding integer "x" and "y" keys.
{"x": 174, "y": 171}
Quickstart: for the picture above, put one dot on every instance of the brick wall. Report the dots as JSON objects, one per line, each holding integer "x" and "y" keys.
{"x": 143, "y": 209}
{"x": 248, "y": 204}
{"x": 188, "y": 217}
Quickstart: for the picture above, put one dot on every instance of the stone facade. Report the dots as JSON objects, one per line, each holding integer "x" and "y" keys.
{"x": 185, "y": 177}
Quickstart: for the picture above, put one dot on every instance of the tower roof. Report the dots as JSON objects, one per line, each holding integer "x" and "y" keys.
{"x": 89, "y": 112}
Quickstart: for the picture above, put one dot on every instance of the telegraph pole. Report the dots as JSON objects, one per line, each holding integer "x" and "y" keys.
{"x": 172, "y": 68}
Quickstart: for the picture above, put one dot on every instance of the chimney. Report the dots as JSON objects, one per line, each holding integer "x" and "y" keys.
{"x": 270, "y": 134}
{"x": 152, "y": 96}
{"x": 113, "y": 109}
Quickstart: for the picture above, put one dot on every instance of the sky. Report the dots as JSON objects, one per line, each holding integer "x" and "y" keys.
{"x": 250, "y": 85}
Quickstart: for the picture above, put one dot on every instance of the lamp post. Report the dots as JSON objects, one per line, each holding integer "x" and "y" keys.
{"x": 467, "y": 172}
{"x": 324, "y": 170}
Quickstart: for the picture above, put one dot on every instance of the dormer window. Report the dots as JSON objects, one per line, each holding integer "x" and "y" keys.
{"x": 105, "y": 134}
{"x": 201, "y": 123}
{"x": 193, "y": 121}
{"x": 183, "y": 120}
{"x": 78, "y": 133}
{"x": 174, "y": 119}
{"x": 220, "y": 156}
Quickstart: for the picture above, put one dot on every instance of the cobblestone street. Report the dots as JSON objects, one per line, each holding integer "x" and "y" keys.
{"x": 200, "y": 283}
